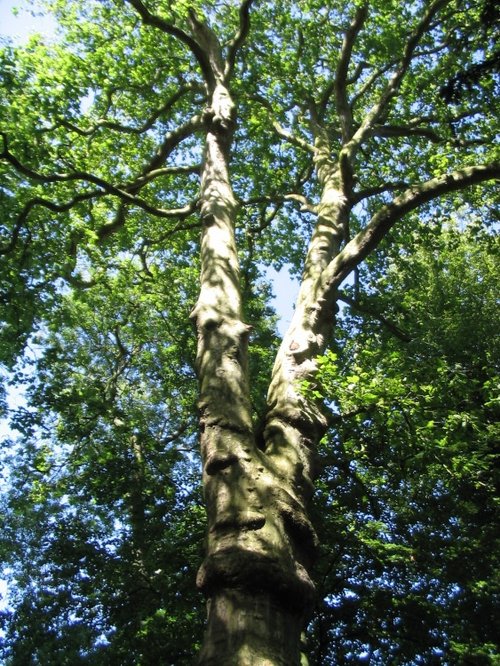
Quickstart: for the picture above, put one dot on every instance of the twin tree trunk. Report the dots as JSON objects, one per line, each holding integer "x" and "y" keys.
{"x": 261, "y": 544}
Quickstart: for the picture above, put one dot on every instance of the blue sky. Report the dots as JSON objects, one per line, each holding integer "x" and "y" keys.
{"x": 20, "y": 26}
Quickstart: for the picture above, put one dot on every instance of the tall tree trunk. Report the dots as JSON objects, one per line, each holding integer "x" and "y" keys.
{"x": 260, "y": 542}
{"x": 253, "y": 574}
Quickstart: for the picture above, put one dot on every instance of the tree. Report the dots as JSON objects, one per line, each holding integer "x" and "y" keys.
{"x": 302, "y": 135}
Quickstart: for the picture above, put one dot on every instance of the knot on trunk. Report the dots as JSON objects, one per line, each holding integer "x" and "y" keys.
{"x": 236, "y": 568}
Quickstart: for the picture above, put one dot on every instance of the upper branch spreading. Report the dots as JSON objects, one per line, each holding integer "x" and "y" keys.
{"x": 379, "y": 109}
{"x": 344, "y": 109}
{"x": 123, "y": 193}
{"x": 239, "y": 38}
{"x": 415, "y": 196}
{"x": 126, "y": 129}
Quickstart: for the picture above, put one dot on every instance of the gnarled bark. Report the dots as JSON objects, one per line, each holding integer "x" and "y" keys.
{"x": 260, "y": 542}
{"x": 254, "y": 574}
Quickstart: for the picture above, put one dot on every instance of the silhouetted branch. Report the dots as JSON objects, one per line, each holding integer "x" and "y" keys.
{"x": 156, "y": 21}
{"x": 366, "y": 309}
{"x": 239, "y": 38}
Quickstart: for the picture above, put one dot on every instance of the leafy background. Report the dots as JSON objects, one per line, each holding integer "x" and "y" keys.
{"x": 102, "y": 524}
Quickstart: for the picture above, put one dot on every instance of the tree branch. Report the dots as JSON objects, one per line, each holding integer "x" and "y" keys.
{"x": 45, "y": 203}
{"x": 156, "y": 21}
{"x": 369, "y": 237}
{"x": 364, "y": 309}
{"x": 170, "y": 142}
{"x": 380, "y": 189}
{"x": 371, "y": 80}
{"x": 140, "y": 181}
{"x": 401, "y": 130}
{"x": 125, "y": 195}
{"x": 343, "y": 107}
{"x": 239, "y": 38}
{"x": 424, "y": 132}
{"x": 305, "y": 204}
{"x": 126, "y": 129}
{"x": 280, "y": 130}
{"x": 393, "y": 85}
{"x": 294, "y": 140}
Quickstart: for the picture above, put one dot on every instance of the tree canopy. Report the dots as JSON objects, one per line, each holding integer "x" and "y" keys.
{"x": 156, "y": 160}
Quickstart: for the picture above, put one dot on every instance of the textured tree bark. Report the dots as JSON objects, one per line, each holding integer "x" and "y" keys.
{"x": 251, "y": 630}
{"x": 260, "y": 542}
{"x": 295, "y": 423}
{"x": 254, "y": 574}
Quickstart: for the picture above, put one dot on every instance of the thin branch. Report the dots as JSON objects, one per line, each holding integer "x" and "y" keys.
{"x": 126, "y": 129}
{"x": 369, "y": 237}
{"x": 170, "y": 142}
{"x": 77, "y": 282}
{"x": 360, "y": 67}
{"x": 70, "y": 264}
{"x": 277, "y": 201}
{"x": 123, "y": 352}
{"x": 365, "y": 309}
{"x": 305, "y": 204}
{"x": 152, "y": 169}
{"x": 142, "y": 254}
{"x": 424, "y": 132}
{"x": 379, "y": 189}
{"x": 383, "y": 70}
{"x": 44, "y": 203}
{"x": 11, "y": 244}
{"x": 179, "y": 226}
{"x": 294, "y": 140}
{"x": 239, "y": 38}
{"x": 123, "y": 194}
{"x": 156, "y": 21}
{"x": 402, "y": 131}
{"x": 140, "y": 181}
{"x": 281, "y": 131}
{"x": 168, "y": 439}
{"x": 325, "y": 98}
{"x": 371, "y": 80}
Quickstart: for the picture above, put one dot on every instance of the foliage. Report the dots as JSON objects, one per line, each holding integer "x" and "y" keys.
{"x": 102, "y": 135}
{"x": 105, "y": 523}
{"x": 408, "y": 493}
